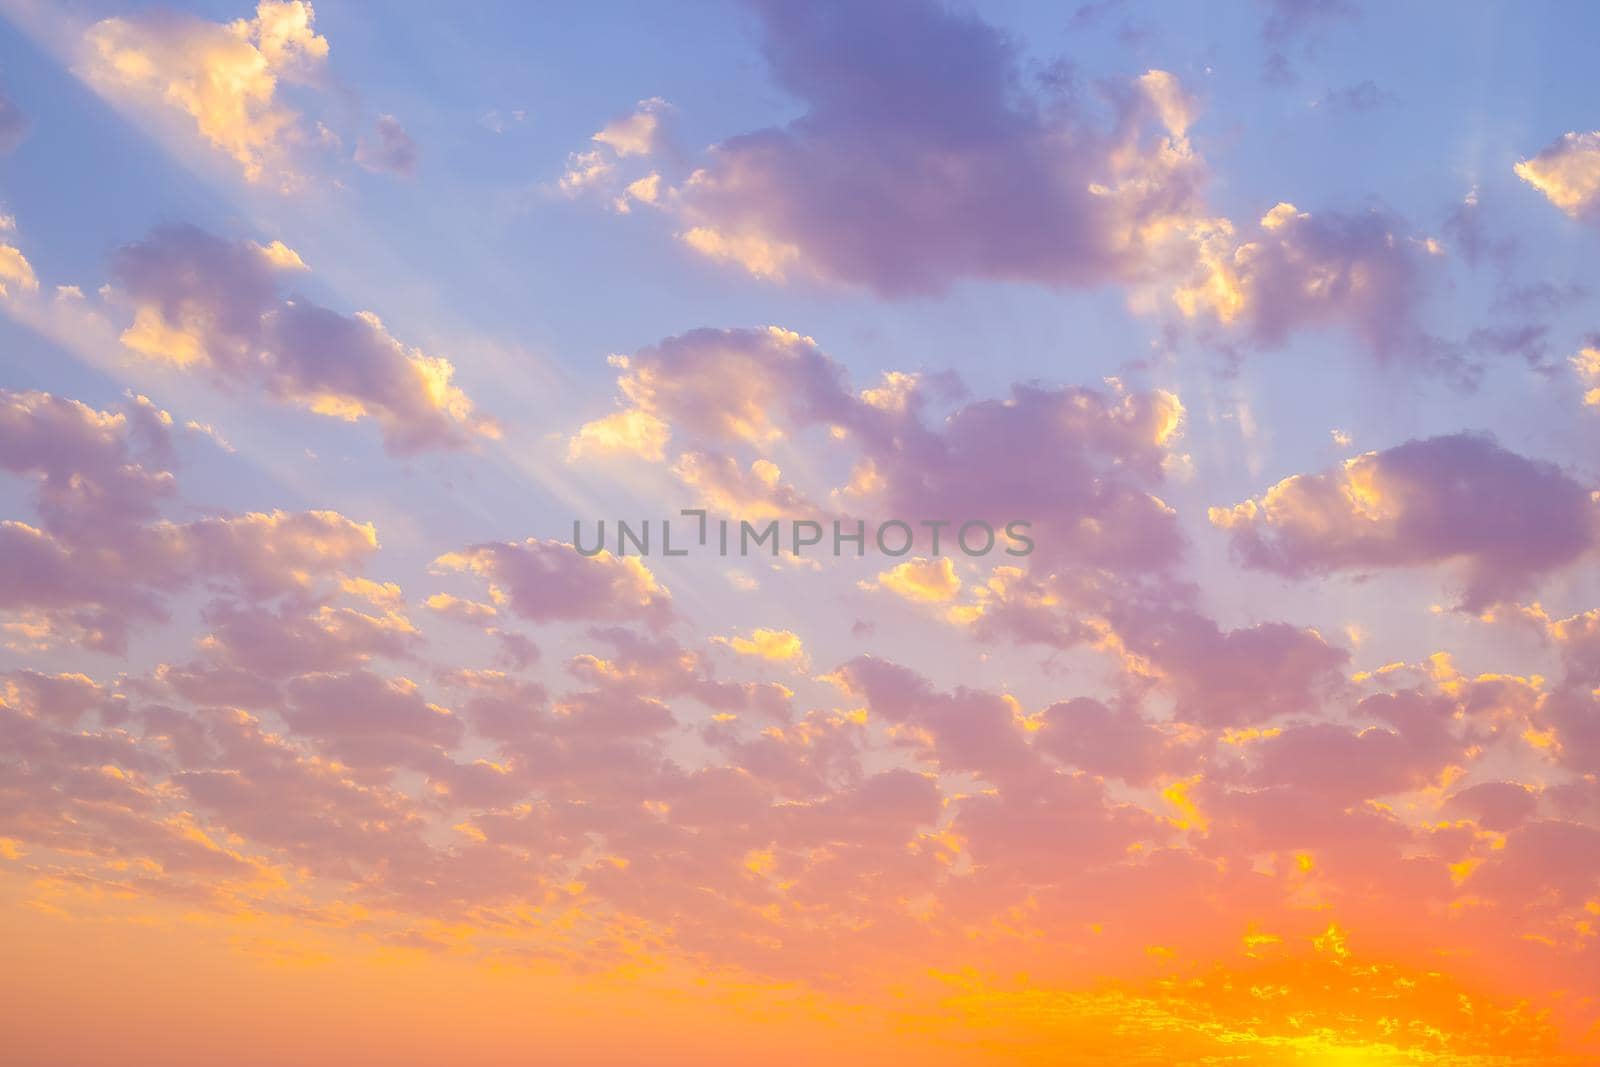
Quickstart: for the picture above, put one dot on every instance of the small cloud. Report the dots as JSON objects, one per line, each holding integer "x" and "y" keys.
{"x": 778, "y": 646}
{"x": 1567, "y": 172}
{"x": 628, "y": 432}
{"x": 496, "y": 121}
{"x": 928, "y": 581}
{"x": 392, "y": 150}
{"x": 637, "y": 134}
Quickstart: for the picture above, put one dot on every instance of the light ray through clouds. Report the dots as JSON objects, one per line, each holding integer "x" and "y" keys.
{"x": 320, "y": 742}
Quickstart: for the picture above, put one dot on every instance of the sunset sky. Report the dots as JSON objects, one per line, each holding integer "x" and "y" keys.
{"x": 1276, "y": 322}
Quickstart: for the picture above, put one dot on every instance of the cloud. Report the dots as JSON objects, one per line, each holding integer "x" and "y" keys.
{"x": 1301, "y": 23}
{"x": 1587, "y": 364}
{"x": 60, "y": 698}
{"x": 13, "y": 124}
{"x": 921, "y": 580}
{"x": 453, "y": 607}
{"x": 546, "y": 581}
{"x": 1505, "y": 520}
{"x": 100, "y": 472}
{"x": 366, "y": 720}
{"x": 499, "y": 706}
{"x": 91, "y": 593}
{"x": 1578, "y": 639}
{"x": 585, "y": 170}
{"x": 1498, "y": 806}
{"x": 638, "y": 133}
{"x": 205, "y": 303}
{"x": 15, "y": 270}
{"x": 1300, "y": 270}
{"x": 300, "y": 639}
{"x": 734, "y": 385}
{"x": 658, "y": 666}
{"x": 720, "y": 484}
{"x": 778, "y": 646}
{"x": 1567, "y": 172}
{"x": 966, "y": 730}
{"x": 223, "y": 76}
{"x": 1231, "y": 677}
{"x": 103, "y": 558}
{"x": 1160, "y": 640}
{"x": 1115, "y": 742}
{"x": 1078, "y": 464}
{"x": 920, "y": 160}
{"x": 1575, "y": 717}
{"x": 391, "y": 150}
{"x": 632, "y": 432}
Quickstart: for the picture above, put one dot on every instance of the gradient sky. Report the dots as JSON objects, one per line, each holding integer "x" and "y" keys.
{"x": 320, "y": 744}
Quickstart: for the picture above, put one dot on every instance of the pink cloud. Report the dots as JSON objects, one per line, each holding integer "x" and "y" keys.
{"x": 922, "y": 162}
{"x": 546, "y": 581}
{"x": 1503, "y": 520}
{"x": 206, "y": 303}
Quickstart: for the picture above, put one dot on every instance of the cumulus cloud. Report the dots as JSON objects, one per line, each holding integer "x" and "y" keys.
{"x": 1499, "y": 806}
{"x": 632, "y": 432}
{"x": 778, "y": 646}
{"x": 641, "y": 133}
{"x": 919, "y": 160}
{"x": 223, "y": 76}
{"x": 922, "y": 580}
{"x": 964, "y": 730}
{"x": 102, "y": 556}
{"x": 1079, "y": 464}
{"x": 297, "y": 638}
{"x": 367, "y": 720}
{"x": 1503, "y": 519}
{"x": 1089, "y": 773}
{"x": 1361, "y": 272}
{"x": 1578, "y": 639}
{"x": 15, "y": 271}
{"x": 638, "y": 133}
{"x": 206, "y": 303}
{"x": 1160, "y": 640}
{"x": 545, "y": 581}
{"x": 100, "y": 472}
{"x": 734, "y": 385}
{"x": 1116, "y": 742}
{"x": 757, "y": 492}
{"x": 1567, "y": 172}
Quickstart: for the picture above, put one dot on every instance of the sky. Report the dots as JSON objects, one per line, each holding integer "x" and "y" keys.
{"x": 1262, "y": 338}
